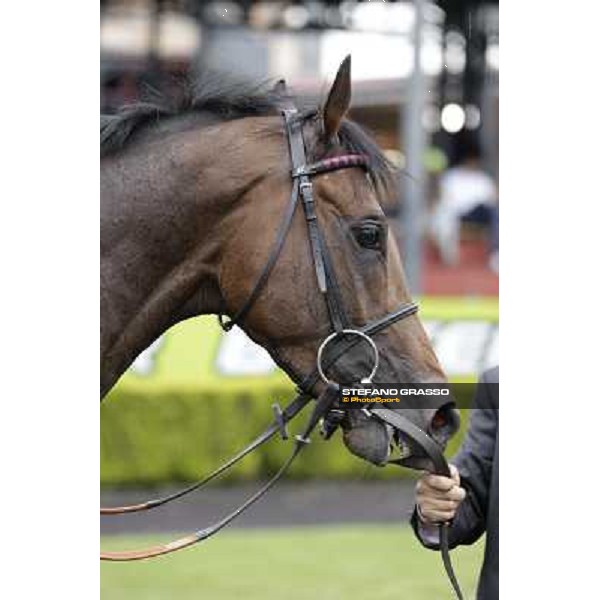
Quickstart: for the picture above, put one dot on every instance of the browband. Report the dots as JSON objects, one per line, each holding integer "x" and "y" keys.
{"x": 332, "y": 164}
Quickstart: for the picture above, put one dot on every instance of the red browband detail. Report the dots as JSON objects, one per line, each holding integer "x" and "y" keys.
{"x": 332, "y": 164}
{"x": 338, "y": 162}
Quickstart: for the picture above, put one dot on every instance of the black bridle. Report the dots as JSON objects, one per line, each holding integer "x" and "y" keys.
{"x": 325, "y": 408}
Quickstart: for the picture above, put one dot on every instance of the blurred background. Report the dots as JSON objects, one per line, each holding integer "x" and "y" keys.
{"x": 425, "y": 83}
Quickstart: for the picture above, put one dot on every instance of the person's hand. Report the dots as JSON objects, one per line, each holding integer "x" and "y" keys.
{"x": 438, "y": 497}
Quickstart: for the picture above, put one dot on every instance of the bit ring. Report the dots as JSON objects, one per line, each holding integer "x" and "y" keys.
{"x": 331, "y": 337}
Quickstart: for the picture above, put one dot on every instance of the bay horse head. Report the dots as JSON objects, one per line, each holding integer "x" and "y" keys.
{"x": 194, "y": 199}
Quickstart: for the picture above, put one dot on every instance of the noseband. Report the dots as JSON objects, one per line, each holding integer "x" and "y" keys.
{"x": 325, "y": 410}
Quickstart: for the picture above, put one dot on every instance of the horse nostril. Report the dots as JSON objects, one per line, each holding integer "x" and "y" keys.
{"x": 439, "y": 420}
{"x": 445, "y": 422}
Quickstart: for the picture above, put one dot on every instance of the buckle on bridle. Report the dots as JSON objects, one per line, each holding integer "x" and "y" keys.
{"x": 278, "y": 414}
{"x": 331, "y": 421}
{"x": 302, "y": 440}
{"x": 300, "y": 171}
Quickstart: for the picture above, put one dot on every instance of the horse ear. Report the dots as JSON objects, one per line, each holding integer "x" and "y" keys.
{"x": 338, "y": 100}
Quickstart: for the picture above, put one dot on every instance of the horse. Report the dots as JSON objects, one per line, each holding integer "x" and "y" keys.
{"x": 192, "y": 193}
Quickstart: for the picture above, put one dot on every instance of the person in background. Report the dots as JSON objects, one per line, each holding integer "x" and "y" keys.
{"x": 467, "y": 194}
{"x": 469, "y": 499}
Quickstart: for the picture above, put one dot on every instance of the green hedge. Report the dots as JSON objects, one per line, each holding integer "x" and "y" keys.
{"x": 181, "y": 435}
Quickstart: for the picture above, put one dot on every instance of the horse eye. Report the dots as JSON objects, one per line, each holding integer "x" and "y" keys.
{"x": 369, "y": 236}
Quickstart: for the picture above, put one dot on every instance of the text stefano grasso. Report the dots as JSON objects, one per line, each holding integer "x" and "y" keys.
{"x": 403, "y": 391}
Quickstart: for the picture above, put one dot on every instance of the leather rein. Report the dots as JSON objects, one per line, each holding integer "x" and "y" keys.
{"x": 325, "y": 410}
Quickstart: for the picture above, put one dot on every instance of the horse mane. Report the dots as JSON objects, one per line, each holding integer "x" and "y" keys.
{"x": 226, "y": 99}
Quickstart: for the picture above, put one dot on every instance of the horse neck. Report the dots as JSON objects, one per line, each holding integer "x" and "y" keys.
{"x": 162, "y": 206}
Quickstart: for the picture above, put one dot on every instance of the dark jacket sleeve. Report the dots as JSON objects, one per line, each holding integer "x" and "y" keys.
{"x": 474, "y": 462}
